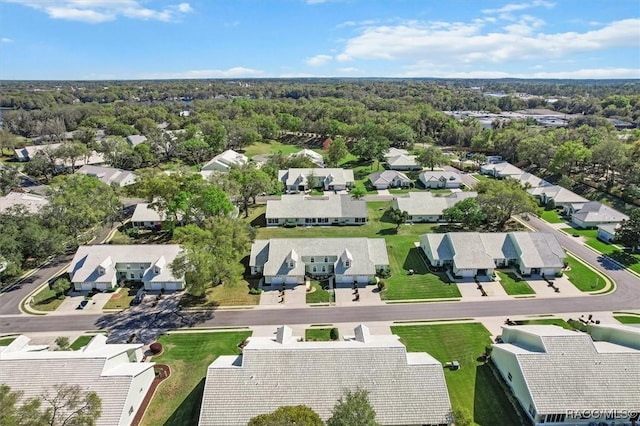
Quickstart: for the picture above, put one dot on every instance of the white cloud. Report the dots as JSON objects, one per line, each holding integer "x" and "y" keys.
{"x": 235, "y": 72}
{"x": 97, "y": 11}
{"x": 6, "y": 40}
{"x": 318, "y": 60}
{"x": 348, "y": 70}
{"x": 505, "y": 11}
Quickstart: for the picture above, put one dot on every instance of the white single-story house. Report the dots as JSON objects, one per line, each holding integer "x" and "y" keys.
{"x": 569, "y": 378}
{"x": 471, "y": 254}
{"x": 135, "y": 140}
{"x": 28, "y": 152}
{"x": 103, "y": 267}
{"x": 500, "y": 170}
{"x": 607, "y": 232}
{"x": 561, "y": 196}
{"x": 115, "y": 372}
{"x": 109, "y": 175}
{"x": 440, "y": 179}
{"x": 592, "y": 214}
{"x": 389, "y": 179}
{"x": 394, "y": 152}
{"x": 145, "y": 216}
{"x": 404, "y": 388}
{"x": 224, "y": 161}
{"x": 302, "y": 180}
{"x": 303, "y": 210}
{"x": 402, "y": 162}
{"x": 313, "y": 156}
{"x": 426, "y": 207}
{"x": 530, "y": 181}
{"x": 290, "y": 260}
{"x": 32, "y": 202}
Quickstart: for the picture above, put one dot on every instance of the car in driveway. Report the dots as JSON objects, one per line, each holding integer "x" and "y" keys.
{"x": 83, "y": 304}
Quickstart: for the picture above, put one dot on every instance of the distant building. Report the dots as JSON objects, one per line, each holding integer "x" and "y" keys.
{"x": 440, "y": 179}
{"x": 135, "y": 140}
{"x": 302, "y": 180}
{"x": 145, "y": 216}
{"x": 32, "y": 202}
{"x": 109, "y": 175}
{"x": 302, "y": 210}
{"x": 389, "y": 179}
{"x": 607, "y": 232}
{"x": 313, "y": 156}
{"x": 405, "y": 388}
{"x": 403, "y": 162}
{"x": 564, "y": 377}
{"x": 561, "y": 196}
{"x": 224, "y": 161}
{"x": 426, "y": 207}
{"x": 28, "y": 152}
{"x": 113, "y": 371}
{"x": 592, "y": 214}
{"x": 500, "y": 170}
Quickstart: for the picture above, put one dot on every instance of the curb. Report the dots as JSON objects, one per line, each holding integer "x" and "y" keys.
{"x": 24, "y": 304}
{"x": 610, "y": 285}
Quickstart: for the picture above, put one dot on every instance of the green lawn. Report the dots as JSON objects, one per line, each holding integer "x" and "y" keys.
{"x": 121, "y": 299}
{"x": 546, "y": 321}
{"x": 223, "y": 295}
{"x": 628, "y": 319}
{"x": 584, "y": 278}
{"x": 177, "y": 400}
{"x": 631, "y": 261}
{"x": 473, "y": 387}
{"x": 318, "y": 334}
{"x": 270, "y": 148}
{"x": 46, "y": 300}
{"x": 5, "y": 341}
{"x": 80, "y": 342}
{"x": 514, "y": 285}
{"x": 480, "y": 177}
{"x": 318, "y": 295}
{"x": 551, "y": 216}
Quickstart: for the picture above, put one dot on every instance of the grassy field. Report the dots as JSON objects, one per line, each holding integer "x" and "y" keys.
{"x": 628, "y": 319}
{"x": 631, "y": 261}
{"x": 223, "y": 295}
{"x": 473, "y": 387}
{"x": 551, "y": 216}
{"x": 80, "y": 342}
{"x": 317, "y": 334}
{"x": 5, "y": 341}
{"x": 177, "y": 399}
{"x": 46, "y": 300}
{"x": 546, "y": 321}
{"x": 480, "y": 177}
{"x": 121, "y": 299}
{"x": 584, "y": 278}
{"x": 270, "y": 148}
{"x": 319, "y": 295}
{"x": 514, "y": 285}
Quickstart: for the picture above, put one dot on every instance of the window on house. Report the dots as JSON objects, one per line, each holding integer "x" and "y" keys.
{"x": 291, "y": 264}
{"x": 314, "y": 269}
{"x": 347, "y": 263}
{"x": 324, "y": 268}
{"x": 128, "y": 266}
{"x": 141, "y": 266}
{"x": 509, "y": 376}
{"x": 312, "y": 260}
{"x": 131, "y": 410}
{"x": 132, "y": 275}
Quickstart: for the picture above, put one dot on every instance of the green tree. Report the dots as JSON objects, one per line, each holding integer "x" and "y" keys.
{"x": 71, "y": 152}
{"x": 298, "y": 415}
{"x": 431, "y": 157}
{"x": 461, "y": 417}
{"x": 145, "y": 125}
{"x": 337, "y": 151}
{"x": 358, "y": 191}
{"x": 398, "y": 217}
{"x": 61, "y": 286}
{"x": 501, "y": 199}
{"x": 370, "y": 149}
{"x": 62, "y": 343}
{"x": 195, "y": 151}
{"x": 247, "y": 182}
{"x": 353, "y": 409}
{"x": 467, "y": 212}
{"x": 568, "y": 155}
{"x": 628, "y": 233}
{"x": 213, "y": 133}
{"x": 40, "y": 166}
{"x": 9, "y": 179}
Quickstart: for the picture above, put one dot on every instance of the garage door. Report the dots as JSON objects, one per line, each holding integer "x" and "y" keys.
{"x": 86, "y": 286}
{"x": 291, "y": 280}
{"x": 172, "y": 286}
{"x": 363, "y": 279}
{"x": 155, "y": 286}
{"x": 276, "y": 280}
{"x": 344, "y": 279}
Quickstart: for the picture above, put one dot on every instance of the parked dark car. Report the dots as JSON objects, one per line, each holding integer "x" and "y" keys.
{"x": 83, "y": 304}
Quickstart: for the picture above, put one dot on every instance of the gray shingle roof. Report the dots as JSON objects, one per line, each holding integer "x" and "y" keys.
{"x": 225, "y": 160}
{"x": 425, "y": 203}
{"x": 387, "y": 176}
{"x": 135, "y": 140}
{"x": 301, "y": 206}
{"x": 299, "y": 176}
{"x": 404, "y": 388}
{"x": 108, "y": 175}
{"x": 572, "y": 372}
{"x": 402, "y": 161}
{"x": 144, "y": 213}
{"x": 32, "y": 202}
{"x": 557, "y": 194}
{"x": 595, "y": 211}
{"x": 434, "y": 176}
{"x": 539, "y": 249}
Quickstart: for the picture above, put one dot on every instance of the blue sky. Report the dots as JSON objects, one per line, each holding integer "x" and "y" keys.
{"x": 126, "y": 39}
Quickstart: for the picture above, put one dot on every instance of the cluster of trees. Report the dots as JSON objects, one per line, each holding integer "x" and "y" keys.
{"x": 62, "y": 405}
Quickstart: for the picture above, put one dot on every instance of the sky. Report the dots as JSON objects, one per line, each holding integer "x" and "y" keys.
{"x": 166, "y": 39}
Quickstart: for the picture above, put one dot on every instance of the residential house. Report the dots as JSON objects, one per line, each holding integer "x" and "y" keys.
{"x": 394, "y": 152}
{"x": 109, "y": 175}
{"x": 389, "y": 179}
{"x": 104, "y": 267}
{"x": 32, "y": 202}
{"x": 592, "y": 214}
{"x": 500, "y": 170}
{"x": 426, "y": 207}
{"x": 28, "y": 152}
{"x": 607, "y": 232}
{"x": 145, "y": 216}
{"x": 562, "y": 197}
{"x": 313, "y": 156}
{"x": 564, "y": 377}
{"x": 290, "y": 260}
{"x": 302, "y": 180}
{"x": 440, "y": 179}
{"x": 224, "y": 161}
{"x": 530, "y": 181}
{"x": 471, "y": 254}
{"x": 135, "y": 140}
{"x": 113, "y": 371}
{"x": 404, "y": 388}
{"x": 402, "y": 162}
{"x": 299, "y": 209}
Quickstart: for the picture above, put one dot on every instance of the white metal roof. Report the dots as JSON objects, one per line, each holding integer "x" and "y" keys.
{"x": 302, "y": 206}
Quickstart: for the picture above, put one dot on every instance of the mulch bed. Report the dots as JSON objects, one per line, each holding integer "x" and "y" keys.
{"x": 164, "y": 372}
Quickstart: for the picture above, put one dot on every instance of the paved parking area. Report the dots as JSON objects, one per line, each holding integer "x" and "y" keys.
{"x": 542, "y": 289}
{"x": 369, "y": 295}
{"x": 69, "y": 305}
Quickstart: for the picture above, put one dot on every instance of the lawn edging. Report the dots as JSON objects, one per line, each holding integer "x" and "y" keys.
{"x": 609, "y": 283}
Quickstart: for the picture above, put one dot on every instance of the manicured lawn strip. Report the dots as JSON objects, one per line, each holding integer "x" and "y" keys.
{"x": 80, "y": 342}
{"x": 514, "y": 285}
{"x": 270, "y": 148}
{"x": 480, "y": 177}
{"x": 631, "y": 261}
{"x": 473, "y": 387}
{"x": 582, "y": 277}
{"x": 46, "y": 300}
{"x": 122, "y": 300}
{"x": 404, "y": 255}
{"x": 223, "y": 295}
{"x": 5, "y": 341}
{"x": 587, "y": 233}
{"x": 319, "y": 295}
{"x": 177, "y": 399}
{"x": 628, "y": 319}
{"x": 318, "y": 334}
{"x": 546, "y": 321}
{"x": 551, "y": 216}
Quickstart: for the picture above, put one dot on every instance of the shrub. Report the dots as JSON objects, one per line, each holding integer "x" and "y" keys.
{"x": 155, "y": 348}
{"x": 333, "y": 334}
{"x": 254, "y": 290}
